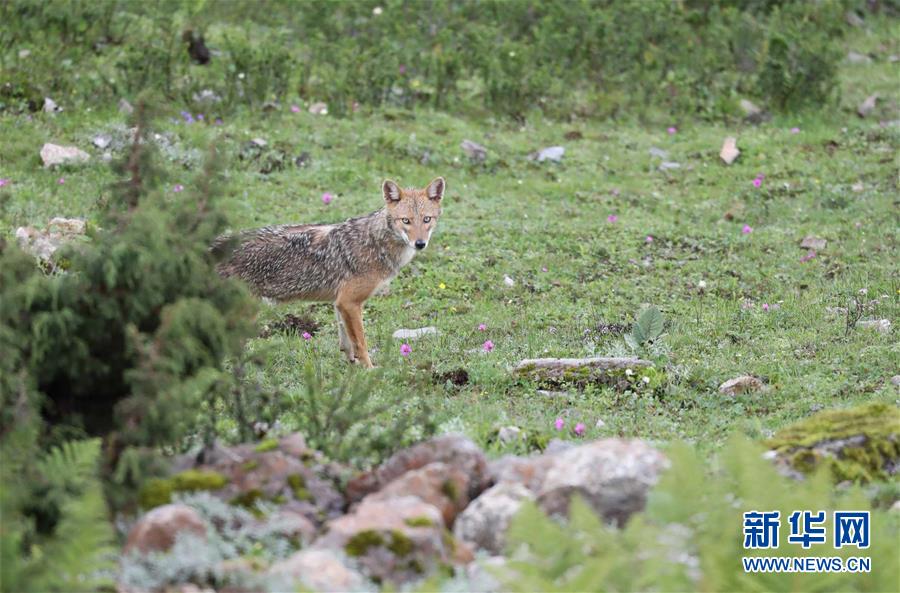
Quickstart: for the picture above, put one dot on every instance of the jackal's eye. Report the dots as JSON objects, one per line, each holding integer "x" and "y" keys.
{"x": 404, "y": 220}
{"x": 426, "y": 220}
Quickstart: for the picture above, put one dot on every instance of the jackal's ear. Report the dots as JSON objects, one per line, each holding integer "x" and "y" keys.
{"x": 435, "y": 189}
{"x": 391, "y": 191}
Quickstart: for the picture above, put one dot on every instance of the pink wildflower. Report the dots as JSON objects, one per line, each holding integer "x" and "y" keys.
{"x": 559, "y": 423}
{"x": 757, "y": 182}
{"x": 295, "y": 109}
{"x": 61, "y": 180}
{"x": 405, "y": 349}
{"x": 402, "y": 69}
{"x": 306, "y": 336}
{"x": 488, "y": 346}
{"x": 808, "y": 256}
{"x": 4, "y": 182}
{"x": 612, "y": 218}
{"x": 543, "y": 268}
{"x": 579, "y": 429}
{"x": 747, "y": 229}
{"x": 327, "y": 197}
{"x": 672, "y": 130}
{"x": 765, "y": 306}
{"x": 795, "y": 130}
{"x": 482, "y": 327}
{"x": 649, "y": 239}
{"x": 178, "y": 188}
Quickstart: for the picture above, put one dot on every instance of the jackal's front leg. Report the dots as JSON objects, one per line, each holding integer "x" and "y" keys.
{"x": 346, "y": 343}
{"x": 351, "y": 313}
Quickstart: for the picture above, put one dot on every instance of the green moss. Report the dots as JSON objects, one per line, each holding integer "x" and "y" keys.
{"x": 247, "y": 499}
{"x": 250, "y": 465}
{"x": 193, "y": 480}
{"x": 298, "y": 486}
{"x": 360, "y": 543}
{"x": 159, "y": 491}
{"x": 863, "y": 461}
{"x": 400, "y": 544}
{"x": 450, "y": 490}
{"x": 419, "y": 522}
{"x": 155, "y": 492}
{"x": 266, "y": 445}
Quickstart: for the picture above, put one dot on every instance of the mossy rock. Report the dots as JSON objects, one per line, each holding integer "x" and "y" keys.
{"x": 159, "y": 491}
{"x": 266, "y": 446}
{"x": 419, "y": 522}
{"x": 360, "y": 543}
{"x": 581, "y": 372}
{"x": 860, "y": 444}
{"x": 298, "y": 486}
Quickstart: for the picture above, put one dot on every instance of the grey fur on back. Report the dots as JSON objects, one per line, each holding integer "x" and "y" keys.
{"x": 311, "y": 262}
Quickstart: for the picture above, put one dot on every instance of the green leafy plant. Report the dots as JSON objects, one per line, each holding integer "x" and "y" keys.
{"x": 647, "y": 329}
{"x": 689, "y": 538}
{"x": 56, "y": 536}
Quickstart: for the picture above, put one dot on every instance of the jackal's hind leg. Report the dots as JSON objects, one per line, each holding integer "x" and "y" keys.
{"x": 345, "y": 342}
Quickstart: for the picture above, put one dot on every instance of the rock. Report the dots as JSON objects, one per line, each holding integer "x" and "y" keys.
{"x": 739, "y": 385}
{"x": 318, "y": 108}
{"x": 668, "y": 165}
{"x": 659, "y": 153}
{"x": 552, "y": 153}
{"x": 729, "y": 152}
{"x": 857, "y": 187}
{"x": 125, "y": 107}
{"x": 414, "y": 334}
{"x": 750, "y": 109}
{"x": 101, "y": 141}
{"x": 259, "y": 142}
{"x": 509, "y": 282}
{"x": 396, "y": 540}
{"x": 440, "y": 485}
{"x": 485, "y": 521}
{"x": 853, "y": 19}
{"x": 510, "y": 434}
{"x": 814, "y": 243}
{"x": 867, "y": 106}
{"x": 156, "y": 531}
{"x": 207, "y": 96}
{"x": 320, "y": 570}
{"x": 293, "y": 524}
{"x": 476, "y": 152}
{"x": 612, "y": 475}
{"x": 860, "y": 444}
{"x": 455, "y": 450}
{"x": 858, "y": 58}
{"x": 50, "y": 106}
{"x": 895, "y": 508}
{"x": 895, "y": 380}
{"x": 580, "y": 371}
{"x": 43, "y": 244}
{"x": 882, "y": 326}
{"x": 53, "y": 154}
{"x": 294, "y": 444}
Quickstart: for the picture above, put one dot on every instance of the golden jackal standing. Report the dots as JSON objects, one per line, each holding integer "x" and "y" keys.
{"x": 341, "y": 263}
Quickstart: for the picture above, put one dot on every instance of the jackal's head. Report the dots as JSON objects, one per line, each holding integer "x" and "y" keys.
{"x": 413, "y": 213}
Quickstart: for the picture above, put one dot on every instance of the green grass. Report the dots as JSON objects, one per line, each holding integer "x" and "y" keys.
{"x": 836, "y": 179}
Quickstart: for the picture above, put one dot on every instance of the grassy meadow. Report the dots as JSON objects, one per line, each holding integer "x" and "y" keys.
{"x": 586, "y": 241}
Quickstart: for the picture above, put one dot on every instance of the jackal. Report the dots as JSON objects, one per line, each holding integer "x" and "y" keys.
{"x": 341, "y": 263}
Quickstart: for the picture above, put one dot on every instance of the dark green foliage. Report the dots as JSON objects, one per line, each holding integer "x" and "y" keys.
{"x": 55, "y": 536}
{"x": 346, "y": 423}
{"x": 508, "y": 56}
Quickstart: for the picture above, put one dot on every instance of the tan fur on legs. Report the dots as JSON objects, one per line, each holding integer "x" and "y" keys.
{"x": 351, "y": 313}
{"x": 345, "y": 343}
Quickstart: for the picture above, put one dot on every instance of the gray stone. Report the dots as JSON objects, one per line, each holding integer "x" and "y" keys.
{"x": 742, "y": 384}
{"x": 730, "y": 151}
{"x": 867, "y": 106}
{"x": 414, "y": 334}
{"x": 814, "y": 243}
{"x": 44, "y": 243}
{"x": 54, "y": 154}
{"x": 476, "y": 152}
{"x": 485, "y": 521}
{"x": 569, "y": 369}
{"x": 320, "y": 570}
{"x": 552, "y": 153}
{"x": 858, "y": 58}
{"x": 510, "y": 434}
{"x": 612, "y": 475}
{"x": 882, "y": 326}
{"x": 659, "y": 153}
{"x": 125, "y": 107}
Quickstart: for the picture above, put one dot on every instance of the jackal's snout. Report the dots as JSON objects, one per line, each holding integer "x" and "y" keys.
{"x": 420, "y": 244}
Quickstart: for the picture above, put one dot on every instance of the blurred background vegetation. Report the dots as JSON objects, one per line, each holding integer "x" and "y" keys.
{"x": 579, "y": 58}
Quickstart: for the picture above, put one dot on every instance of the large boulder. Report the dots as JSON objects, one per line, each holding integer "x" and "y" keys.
{"x": 319, "y": 570}
{"x": 859, "y": 444}
{"x": 395, "y": 540}
{"x": 612, "y": 475}
{"x": 54, "y": 154}
{"x": 453, "y": 450}
{"x": 444, "y": 486}
{"x": 485, "y": 521}
{"x": 157, "y": 530}
{"x": 43, "y": 243}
